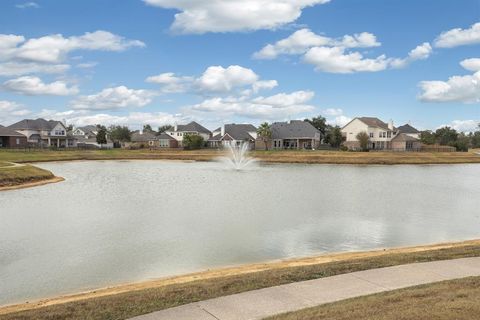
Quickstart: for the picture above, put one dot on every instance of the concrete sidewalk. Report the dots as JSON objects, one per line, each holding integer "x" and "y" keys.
{"x": 258, "y": 304}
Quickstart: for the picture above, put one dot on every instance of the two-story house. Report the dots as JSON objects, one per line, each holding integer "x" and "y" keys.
{"x": 179, "y": 131}
{"x": 44, "y": 133}
{"x": 86, "y": 137}
{"x": 233, "y": 134}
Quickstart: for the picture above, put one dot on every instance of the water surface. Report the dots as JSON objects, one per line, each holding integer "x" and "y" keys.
{"x": 114, "y": 222}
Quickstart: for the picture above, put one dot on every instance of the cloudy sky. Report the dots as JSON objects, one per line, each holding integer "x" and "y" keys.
{"x": 135, "y": 62}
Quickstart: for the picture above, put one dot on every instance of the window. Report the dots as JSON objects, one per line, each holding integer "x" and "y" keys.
{"x": 389, "y": 134}
{"x": 18, "y": 141}
{"x": 371, "y": 134}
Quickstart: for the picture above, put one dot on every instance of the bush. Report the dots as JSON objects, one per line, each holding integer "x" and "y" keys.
{"x": 193, "y": 141}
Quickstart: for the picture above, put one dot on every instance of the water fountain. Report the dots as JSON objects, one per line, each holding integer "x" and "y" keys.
{"x": 238, "y": 155}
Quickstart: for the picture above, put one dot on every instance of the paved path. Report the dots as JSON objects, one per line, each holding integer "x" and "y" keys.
{"x": 258, "y": 304}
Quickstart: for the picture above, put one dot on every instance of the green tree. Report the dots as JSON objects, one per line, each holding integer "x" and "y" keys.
{"x": 446, "y": 136}
{"x": 164, "y": 128}
{"x": 101, "y": 135}
{"x": 120, "y": 133}
{"x": 462, "y": 142}
{"x": 427, "y": 137}
{"x": 193, "y": 141}
{"x": 265, "y": 133}
{"x": 475, "y": 139}
{"x": 363, "y": 139}
{"x": 335, "y": 137}
{"x": 148, "y": 128}
{"x": 320, "y": 123}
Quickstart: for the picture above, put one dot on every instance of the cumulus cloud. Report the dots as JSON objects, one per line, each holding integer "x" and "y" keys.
{"x": 215, "y": 79}
{"x": 464, "y": 89}
{"x": 115, "y": 98}
{"x": 464, "y": 125}
{"x": 472, "y": 64}
{"x": 10, "y": 111}
{"x": 274, "y": 107}
{"x": 21, "y": 56}
{"x": 201, "y": 16}
{"x": 459, "y": 37}
{"x": 336, "y": 55}
{"x": 336, "y": 117}
{"x": 33, "y": 86}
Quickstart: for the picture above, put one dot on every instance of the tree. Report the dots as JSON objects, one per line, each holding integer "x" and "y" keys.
{"x": 335, "y": 137}
{"x": 363, "y": 139}
{"x": 101, "y": 135}
{"x": 120, "y": 133}
{"x": 147, "y": 128}
{"x": 427, "y": 137}
{"x": 446, "y": 136}
{"x": 265, "y": 133}
{"x": 320, "y": 123}
{"x": 164, "y": 128}
{"x": 193, "y": 141}
{"x": 462, "y": 142}
{"x": 475, "y": 139}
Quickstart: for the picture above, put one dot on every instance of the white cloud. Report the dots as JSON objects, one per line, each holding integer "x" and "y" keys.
{"x": 115, "y": 98}
{"x": 459, "y": 37}
{"x": 336, "y": 117}
{"x": 201, "y": 16}
{"x": 277, "y": 107}
{"x": 464, "y": 89}
{"x": 464, "y": 125}
{"x": 472, "y": 64}
{"x": 8, "y": 69}
{"x": 302, "y": 40}
{"x": 332, "y": 112}
{"x": 421, "y": 52}
{"x": 215, "y": 79}
{"x": 87, "y": 65}
{"x": 27, "y": 5}
{"x": 10, "y": 111}
{"x": 35, "y": 86}
{"x": 336, "y": 60}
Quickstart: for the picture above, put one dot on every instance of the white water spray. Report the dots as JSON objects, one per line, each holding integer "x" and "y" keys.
{"x": 238, "y": 157}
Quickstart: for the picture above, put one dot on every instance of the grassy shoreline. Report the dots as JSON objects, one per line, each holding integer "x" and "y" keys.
{"x": 19, "y": 176}
{"x": 130, "y": 300}
{"x": 283, "y": 156}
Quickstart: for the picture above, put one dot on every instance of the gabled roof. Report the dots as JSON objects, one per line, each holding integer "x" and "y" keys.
{"x": 142, "y": 137}
{"x": 37, "y": 124}
{"x": 402, "y": 137}
{"x": 6, "y": 132}
{"x": 240, "y": 131}
{"x": 193, "y": 127}
{"x": 374, "y": 122}
{"x": 88, "y": 129}
{"x": 406, "y": 128}
{"x": 293, "y": 129}
{"x": 217, "y": 137}
{"x": 164, "y": 136}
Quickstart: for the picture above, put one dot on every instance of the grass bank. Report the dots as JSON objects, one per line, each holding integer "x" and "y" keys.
{"x": 284, "y": 156}
{"x": 453, "y": 299}
{"x": 130, "y": 300}
{"x": 13, "y": 176}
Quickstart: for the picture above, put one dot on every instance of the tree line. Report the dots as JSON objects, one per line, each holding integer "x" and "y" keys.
{"x": 447, "y": 136}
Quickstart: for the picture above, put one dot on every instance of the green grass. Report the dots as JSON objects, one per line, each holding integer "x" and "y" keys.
{"x": 12, "y": 176}
{"x": 129, "y": 304}
{"x": 454, "y": 299}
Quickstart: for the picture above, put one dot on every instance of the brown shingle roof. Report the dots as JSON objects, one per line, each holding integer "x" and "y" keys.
{"x": 374, "y": 122}
{"x": 6, "y": 132}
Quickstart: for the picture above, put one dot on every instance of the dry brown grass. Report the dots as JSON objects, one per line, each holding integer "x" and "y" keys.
{"x": 448, "y": 300}
{"x": 13, "y": 176}
{"x": 129, "y": 304}
{"x": 285, "y": 156}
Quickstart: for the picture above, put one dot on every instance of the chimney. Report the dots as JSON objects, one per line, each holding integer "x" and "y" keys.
{"x": 222, "y": 130}
{"x": 390, "y": 125}
{"x": 175, "y": 127}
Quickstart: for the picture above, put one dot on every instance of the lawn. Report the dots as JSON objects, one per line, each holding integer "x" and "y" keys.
{"x": 284, "y": 156}
{"x": 453, "y": 299}
{"x": 16, "y": 175}
{"x": 138, "y": 299}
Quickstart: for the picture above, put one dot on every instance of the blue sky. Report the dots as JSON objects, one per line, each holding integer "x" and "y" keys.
{"x": 135, "y": 62}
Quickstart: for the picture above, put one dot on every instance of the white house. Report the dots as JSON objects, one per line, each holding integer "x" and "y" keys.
{"x": 382, "y": 136}
{"x": 179, "y": 131}
{"x": 87, "y": 137}
{"x": 233, "y": 134}
{"x": 49, "y": 133}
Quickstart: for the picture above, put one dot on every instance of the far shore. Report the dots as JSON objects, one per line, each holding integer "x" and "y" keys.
{"x": 428, "y": 251}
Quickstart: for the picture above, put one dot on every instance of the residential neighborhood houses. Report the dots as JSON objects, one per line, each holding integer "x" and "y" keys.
{"x": 360, "y": 134}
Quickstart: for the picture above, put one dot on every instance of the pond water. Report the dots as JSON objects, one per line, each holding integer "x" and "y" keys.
{"x": 114, "y": 222}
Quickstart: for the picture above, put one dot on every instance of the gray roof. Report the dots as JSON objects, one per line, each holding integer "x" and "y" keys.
{"x": 88, "y": 129}
{"x": 37, "y": 124}
{"x": 164, "y": 136}
{"x": 374, "y": 122}
{"x": 402, "y": 137}
{"x": 143, "y": 137}
{"x": 240, "y": 131}
{"x": 406, "y": 128}
{"x": 217, "y": 137}
{"x": 6, "y": 132}
{"x": 193, "y": 127}
{"x": 294, "y": 130}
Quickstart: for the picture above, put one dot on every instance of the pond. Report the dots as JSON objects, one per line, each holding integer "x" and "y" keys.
{"x": 114, "y": 222}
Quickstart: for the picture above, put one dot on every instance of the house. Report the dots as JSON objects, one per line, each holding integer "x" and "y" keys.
{"x": 11, "y": 139}
{"x": 179, "y": 131}
{"x": 409, "y": 130}
{"x": 166, "y": 141}
{"x": 233, "y": 134}
{"x": 296, "y": 134}
{"x": 44, "y": 133}
{"x": 382, "y": 136}
{"x": 86, "y": 137}
{"x": 143, "y": 139}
